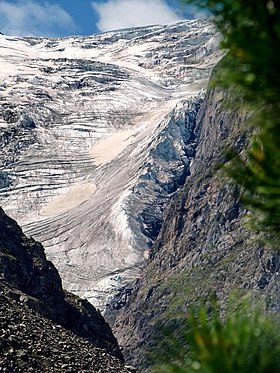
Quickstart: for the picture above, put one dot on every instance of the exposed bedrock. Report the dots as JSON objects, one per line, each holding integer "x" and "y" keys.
{"x": 203, "y": 249}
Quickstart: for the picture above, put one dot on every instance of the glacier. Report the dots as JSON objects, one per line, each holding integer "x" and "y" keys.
{"x": 97, "y": 133}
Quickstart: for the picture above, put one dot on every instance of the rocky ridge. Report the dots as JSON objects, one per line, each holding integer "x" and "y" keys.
{"x": 31, "y": 343}
{"x": 43, "y": 328}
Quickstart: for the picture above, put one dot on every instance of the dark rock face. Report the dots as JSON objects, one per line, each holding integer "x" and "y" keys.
{"x": 204, "y": 248}
{"x": 34, "y": 307}
{"x": 23, "y": 264}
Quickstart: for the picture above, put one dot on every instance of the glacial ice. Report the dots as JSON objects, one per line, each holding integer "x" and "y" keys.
{"x": 97, "y": 133}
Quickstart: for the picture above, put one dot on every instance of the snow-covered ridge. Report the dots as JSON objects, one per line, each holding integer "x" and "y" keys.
{"x": 96, "y": 133}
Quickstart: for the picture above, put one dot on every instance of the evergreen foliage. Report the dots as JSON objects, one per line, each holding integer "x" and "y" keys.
{"x": 246, "y": 342}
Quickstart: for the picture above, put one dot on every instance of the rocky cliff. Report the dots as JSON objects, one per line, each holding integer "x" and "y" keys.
{"x": 42, "y": 327}
{"x": 204, "y": 248}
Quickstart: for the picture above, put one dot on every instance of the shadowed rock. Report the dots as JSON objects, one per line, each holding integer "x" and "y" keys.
{"x": 41, "y": 322}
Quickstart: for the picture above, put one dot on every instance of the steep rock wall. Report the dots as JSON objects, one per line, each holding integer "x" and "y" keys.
{"x": 203, "y": 248}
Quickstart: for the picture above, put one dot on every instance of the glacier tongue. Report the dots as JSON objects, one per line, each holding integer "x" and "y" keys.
{"x": 97, "y": 133}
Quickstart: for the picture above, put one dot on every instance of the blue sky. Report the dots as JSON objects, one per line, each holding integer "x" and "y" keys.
{"x": 83, "y": 17}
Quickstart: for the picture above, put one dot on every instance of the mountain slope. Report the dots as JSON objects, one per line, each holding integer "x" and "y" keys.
{"x": 24, "y": 267}
{"x": 97, "y": 133}
{"x": 42, "y": 327}
{"x": 30, "y": 342}
{"x": 203, "y": 249}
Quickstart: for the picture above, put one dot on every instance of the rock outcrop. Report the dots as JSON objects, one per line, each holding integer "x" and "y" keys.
{"x": 42, "y": 327}
{"x": 204, "y": 248}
